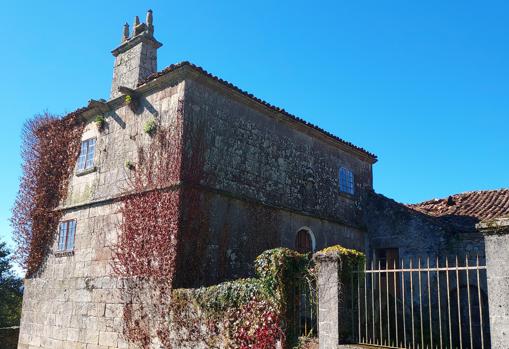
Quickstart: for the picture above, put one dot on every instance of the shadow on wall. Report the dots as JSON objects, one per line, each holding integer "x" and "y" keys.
{"x": 9, "y": 337}
{"x": 394, "y": 225}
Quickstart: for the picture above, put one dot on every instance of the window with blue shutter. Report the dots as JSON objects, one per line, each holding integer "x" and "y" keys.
{"x": 346, "y": 181}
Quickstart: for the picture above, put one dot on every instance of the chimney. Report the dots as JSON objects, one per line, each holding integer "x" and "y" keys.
{"x": 136, "y": 57}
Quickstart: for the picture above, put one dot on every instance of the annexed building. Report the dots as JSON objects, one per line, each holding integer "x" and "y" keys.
{"x": 438, "y": 227}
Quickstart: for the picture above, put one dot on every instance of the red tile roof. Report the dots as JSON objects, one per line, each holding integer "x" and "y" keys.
{"x": 175, "y": 67}
{"x": 481, "y": 205}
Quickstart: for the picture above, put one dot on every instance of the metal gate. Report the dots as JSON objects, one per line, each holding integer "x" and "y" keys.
{"x": 421, "y": 304}
{"x": 305, "y": 309}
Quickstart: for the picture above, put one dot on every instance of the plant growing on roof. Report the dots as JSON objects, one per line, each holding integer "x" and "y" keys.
{"x": 150, "y": 126}
{"x": 100, "y": 121}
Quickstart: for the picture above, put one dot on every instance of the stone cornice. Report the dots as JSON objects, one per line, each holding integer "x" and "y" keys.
{"x": 244, "y": 198}
{"x": 494, "y": 226}
{"x": 143, "y": 37}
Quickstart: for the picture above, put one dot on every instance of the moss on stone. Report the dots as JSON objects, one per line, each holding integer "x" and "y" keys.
{"x": 342, "y": 251}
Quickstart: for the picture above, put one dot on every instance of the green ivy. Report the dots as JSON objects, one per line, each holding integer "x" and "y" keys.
{"x": 150, "y": 126}
{"x": 278, "y": 271}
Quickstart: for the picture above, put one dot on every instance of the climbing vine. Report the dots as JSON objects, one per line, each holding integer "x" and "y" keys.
{"x": 145, "y": 254}
{"x": 246, "y": 313}
{"x": 50, "y": 147}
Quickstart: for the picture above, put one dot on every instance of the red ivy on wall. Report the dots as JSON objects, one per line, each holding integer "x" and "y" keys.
{"x": 50, "y": 147}
{"x": 145, "y": 255}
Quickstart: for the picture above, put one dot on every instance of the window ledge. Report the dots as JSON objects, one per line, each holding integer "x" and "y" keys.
{"x": 86, "y": 171}
{"x": 347, "y": 195}
{"x": 64, "y": 254}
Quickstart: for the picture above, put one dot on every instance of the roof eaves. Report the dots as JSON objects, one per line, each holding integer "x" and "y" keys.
{"x": 177, "y": 66}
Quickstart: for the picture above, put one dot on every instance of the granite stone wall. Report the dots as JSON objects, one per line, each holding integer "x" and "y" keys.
{"x": 133, "y": 66}
{"x": 390, "y": 224}
{"x": 74, "y": 301}
{"x": 250, "y": 152}
{"x": 261, "y": 181}
{"x": 236, "y": 231}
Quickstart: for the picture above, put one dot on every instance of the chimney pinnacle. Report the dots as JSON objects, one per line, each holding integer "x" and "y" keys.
{"x": 149, "y": 21}
{"x": 125, "y": 33}
{"x": 136, "y": 56}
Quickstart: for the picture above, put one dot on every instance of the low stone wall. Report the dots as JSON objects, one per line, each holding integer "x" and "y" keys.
{"x": 9, "y": 337}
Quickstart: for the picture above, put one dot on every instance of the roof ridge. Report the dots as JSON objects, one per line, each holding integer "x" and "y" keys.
{"x": 434, "y": 200}
{"x": 176, "y": 66}
{"x": 478, "y": 204}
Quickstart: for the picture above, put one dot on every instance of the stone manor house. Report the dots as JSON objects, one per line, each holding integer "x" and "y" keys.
{"x": 271, "y": 179}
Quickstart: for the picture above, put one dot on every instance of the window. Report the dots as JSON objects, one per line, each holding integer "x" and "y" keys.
{"x": 346, "y": 181}
{"x": 66, "y": 234}
{"x": 86, "y": 158}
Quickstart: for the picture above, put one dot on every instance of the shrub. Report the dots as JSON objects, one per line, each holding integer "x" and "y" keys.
{"x": 246, "y": 313}
{"x": 150, "y": 126}
{"x": 100, "y": 121}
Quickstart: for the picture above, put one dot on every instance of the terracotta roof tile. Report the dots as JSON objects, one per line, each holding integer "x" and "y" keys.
{"x": 467, "y": 208}
{"x": 174, "y": 67}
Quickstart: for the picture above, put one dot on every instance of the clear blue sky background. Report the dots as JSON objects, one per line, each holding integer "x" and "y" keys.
{"x": 423, "y": 84}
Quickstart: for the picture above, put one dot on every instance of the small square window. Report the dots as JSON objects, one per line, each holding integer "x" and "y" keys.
{"x": 346, "y": 181}
{"x": 86, "y": 158}
{"x": 66, "y": 233}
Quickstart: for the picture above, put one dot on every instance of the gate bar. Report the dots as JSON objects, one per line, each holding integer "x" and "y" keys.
{"x": 395, "y": 301}
{"x": 448, "y": 301}
{"x": 480, "y": 303}
{"x": 439, "y": 305}
{"x": 412, "y": 301}
{"x": 459, "y": 304}
{"x": 429, "y": 305}
{"x": 403, "y": 296}
{"x": 420, "y": 304}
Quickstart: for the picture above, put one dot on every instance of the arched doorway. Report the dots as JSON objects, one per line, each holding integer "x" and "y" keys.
{"x": 305, "y": 241}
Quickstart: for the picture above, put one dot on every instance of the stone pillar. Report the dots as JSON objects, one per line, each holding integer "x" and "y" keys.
{"x": 334, "y": 295}
{"x": 328, "y": 300}
{"x": 496, "y": 235}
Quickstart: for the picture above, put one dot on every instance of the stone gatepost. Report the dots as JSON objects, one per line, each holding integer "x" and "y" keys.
{"x": 334, "y": 265}
{"x": 496, "y": 235}
{"x": 328, "y": 300}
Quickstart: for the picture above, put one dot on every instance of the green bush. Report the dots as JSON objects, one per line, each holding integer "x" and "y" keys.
{"x": 11, "y": 295}
{"x": 100, "y": 121}
{"x": 278, "y": 272}
{"x": 150, "y": 126}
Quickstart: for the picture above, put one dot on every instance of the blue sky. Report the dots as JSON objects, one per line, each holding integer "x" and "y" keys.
{"x": 423, "y": 84}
